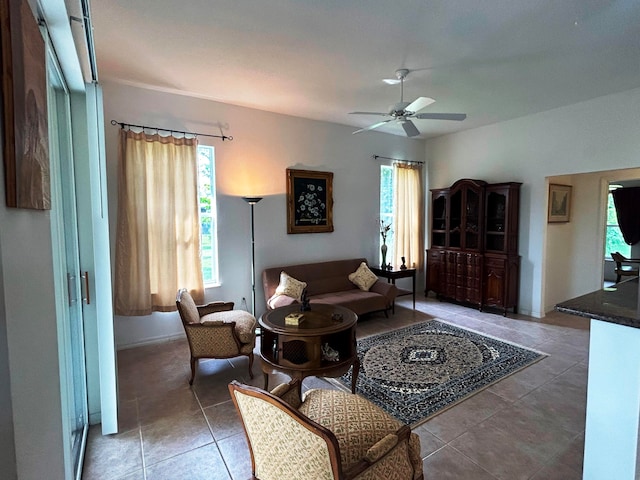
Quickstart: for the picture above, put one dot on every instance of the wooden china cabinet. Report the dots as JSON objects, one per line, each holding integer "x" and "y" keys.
{"x": 473, "y": 257}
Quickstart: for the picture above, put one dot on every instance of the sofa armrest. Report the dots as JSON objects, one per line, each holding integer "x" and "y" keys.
{"x": 388, "y": 290}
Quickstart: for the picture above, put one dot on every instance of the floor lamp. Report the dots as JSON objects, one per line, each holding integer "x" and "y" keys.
{"x": 252, "y": 201}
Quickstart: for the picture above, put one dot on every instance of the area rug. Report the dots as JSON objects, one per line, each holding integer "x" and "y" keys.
{"x": 417, "y": 371}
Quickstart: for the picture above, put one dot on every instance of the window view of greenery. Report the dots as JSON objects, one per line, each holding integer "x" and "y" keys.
{"x": 386, "y": 207}
{"x": 614, "y": 241}
{"x": 208, "y": 215}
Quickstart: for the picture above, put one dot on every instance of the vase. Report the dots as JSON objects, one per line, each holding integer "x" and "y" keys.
{"x": 383, "y": 250}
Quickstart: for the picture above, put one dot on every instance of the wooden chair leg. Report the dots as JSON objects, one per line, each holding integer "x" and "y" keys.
{"x": 251, "y": 364}
{"x": 193, "y": 370}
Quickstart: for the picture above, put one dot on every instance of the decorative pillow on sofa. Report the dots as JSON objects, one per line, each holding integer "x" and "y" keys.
{"x": 290, "y": 287}
{"x": 363, "y": 278}
{"x": 277, "y": 301}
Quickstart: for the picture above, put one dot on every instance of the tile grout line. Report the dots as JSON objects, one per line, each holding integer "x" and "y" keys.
{"x": 144, "y": 465}
{"x": 215, "y": 442}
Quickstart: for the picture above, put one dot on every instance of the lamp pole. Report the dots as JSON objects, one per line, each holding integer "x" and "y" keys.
{"x": 252, "y": 201}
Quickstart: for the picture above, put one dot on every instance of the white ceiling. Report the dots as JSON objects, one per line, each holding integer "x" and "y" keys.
{"x": 320, "y": 59}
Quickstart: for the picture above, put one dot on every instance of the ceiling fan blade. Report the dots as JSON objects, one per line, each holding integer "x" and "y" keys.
{"x": 419, "y": 103}
{"x": 369, "y": 113}
{"x": 441, "y": 116}
{"x": 371, "y": 127}
{"x": 410, "y": 128}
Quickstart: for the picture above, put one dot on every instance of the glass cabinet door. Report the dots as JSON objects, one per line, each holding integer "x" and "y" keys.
{"x": 455, "y": 220}
{"x": 496, "y": 208}
{"x": 439, "y": 221}
{"x": 472, "y": 220}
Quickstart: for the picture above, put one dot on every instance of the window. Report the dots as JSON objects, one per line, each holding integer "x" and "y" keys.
{"x": 386, "y": 206}
{"x": 208, "y": 215}
{"x": 614, "y": 240}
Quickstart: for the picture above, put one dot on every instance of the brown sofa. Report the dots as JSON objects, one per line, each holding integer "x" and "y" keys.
{"x": 328, "y": 282}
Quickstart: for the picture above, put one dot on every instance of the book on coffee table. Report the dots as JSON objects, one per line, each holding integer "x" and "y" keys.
{"x": 294, "y": 319}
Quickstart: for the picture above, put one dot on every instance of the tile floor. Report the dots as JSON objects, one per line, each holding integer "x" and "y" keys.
{"x": 527, "y": 426}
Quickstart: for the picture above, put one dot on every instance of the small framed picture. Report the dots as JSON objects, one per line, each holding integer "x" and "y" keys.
{"x": 559, "y": 203}
{"x": 309, "y": 201}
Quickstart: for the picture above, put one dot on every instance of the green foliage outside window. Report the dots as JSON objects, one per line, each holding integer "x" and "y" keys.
{"x": 386, "y": 207}
{"x": 207, "y": 202}
{"x": 614, "y": 240}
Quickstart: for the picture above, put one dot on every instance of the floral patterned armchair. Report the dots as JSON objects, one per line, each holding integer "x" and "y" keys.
{"x": 331, "y": 435}
{"x": 216, "y": 330}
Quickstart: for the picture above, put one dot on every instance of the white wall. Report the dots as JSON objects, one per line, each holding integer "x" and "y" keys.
{"x": 30, "y": 309}
{"x": 254, "y": 163}
{"x": 600, "y": 134}
{"x": 7, "y": 449}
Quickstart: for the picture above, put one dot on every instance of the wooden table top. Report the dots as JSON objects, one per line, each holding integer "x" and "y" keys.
{"x": 321, "y": 319}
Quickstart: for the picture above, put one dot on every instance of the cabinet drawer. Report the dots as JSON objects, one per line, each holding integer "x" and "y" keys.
{"x": 490, "y": 262}
{"x": 473, "y": 295}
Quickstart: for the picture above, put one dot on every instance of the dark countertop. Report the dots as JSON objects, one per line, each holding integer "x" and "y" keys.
{"x": 616, "y": 304}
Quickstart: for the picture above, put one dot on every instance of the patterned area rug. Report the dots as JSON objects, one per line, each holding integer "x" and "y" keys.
{"x": 418, "y": 371}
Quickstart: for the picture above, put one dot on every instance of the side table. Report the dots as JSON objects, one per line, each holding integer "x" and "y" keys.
{"x": 296, "y": 350}
{"x": 395, "y": 273}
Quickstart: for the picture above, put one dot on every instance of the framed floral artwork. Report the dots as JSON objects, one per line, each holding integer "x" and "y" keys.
{"x": 309, "y": 201}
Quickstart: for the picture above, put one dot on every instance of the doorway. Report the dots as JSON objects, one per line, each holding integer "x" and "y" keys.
{"x": 614, "y": 241}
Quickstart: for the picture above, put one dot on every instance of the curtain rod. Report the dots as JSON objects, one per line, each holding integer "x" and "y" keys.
{"x": 123, "y": 125}
{"x": 375, "y": 157}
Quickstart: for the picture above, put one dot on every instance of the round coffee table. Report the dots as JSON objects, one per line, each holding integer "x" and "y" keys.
{"x": 323, "y": 344}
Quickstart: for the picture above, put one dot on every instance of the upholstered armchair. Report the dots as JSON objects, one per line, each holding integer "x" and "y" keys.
{"x": 216, "y": 330}
{"x": 330, "y": 434}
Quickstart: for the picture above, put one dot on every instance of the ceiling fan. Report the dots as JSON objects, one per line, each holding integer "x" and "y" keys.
{"x": 403, "y": 112}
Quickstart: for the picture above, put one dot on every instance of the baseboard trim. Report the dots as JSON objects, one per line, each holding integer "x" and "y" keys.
{"x": 152, "y": 341}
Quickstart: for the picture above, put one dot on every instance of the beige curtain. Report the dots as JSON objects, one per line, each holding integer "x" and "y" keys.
{"x": 407, "y": 224}
{"x": 158, "y": 234}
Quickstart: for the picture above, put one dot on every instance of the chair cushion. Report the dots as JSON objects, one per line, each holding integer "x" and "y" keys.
{"x": 363, "y": 277}
{"x": 357, "y": 423}
{"x": 245, "y": 323}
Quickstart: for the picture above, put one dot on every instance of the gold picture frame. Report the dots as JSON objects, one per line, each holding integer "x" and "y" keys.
{"x": 309, "y": 201}
{"x": 559, "y": 210}
{"x": 24, "y": 96}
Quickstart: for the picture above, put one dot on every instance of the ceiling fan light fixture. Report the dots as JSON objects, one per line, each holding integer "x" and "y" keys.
{"x": 402, "y": 73}
{"x": 402, "y": 112}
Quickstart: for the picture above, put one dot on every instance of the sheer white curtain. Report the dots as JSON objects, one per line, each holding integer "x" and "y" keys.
{"x": 407, "y": 224}
{"x": 158, "y": 233}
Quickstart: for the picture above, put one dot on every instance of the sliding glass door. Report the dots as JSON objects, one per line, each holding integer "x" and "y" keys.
{"x": 66, "y": 251}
